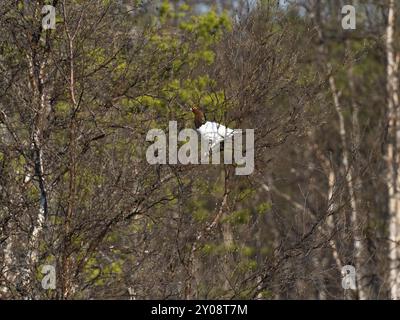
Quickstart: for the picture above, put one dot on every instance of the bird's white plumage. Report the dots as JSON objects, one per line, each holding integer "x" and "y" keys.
{"x": 214, "y": 132}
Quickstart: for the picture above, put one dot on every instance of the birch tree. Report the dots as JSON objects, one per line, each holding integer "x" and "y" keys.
{"x": 392, "y": 154}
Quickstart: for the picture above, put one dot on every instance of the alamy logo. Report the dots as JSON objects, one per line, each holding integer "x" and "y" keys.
{"x": 49, "y": 279}
{"x": 49, "y": 20}
{"x": 349, "y": 277}
{"x": 349, "y": 20}
{"x": 188, "y": 152}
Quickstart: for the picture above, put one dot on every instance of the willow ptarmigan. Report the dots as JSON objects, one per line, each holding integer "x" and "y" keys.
{"x": 212, "y": 132}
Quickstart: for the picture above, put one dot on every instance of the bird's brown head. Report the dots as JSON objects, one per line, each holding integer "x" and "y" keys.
{"x": 199, "y": 118}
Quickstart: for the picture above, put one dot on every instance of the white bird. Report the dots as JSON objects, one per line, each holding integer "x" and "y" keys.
{"x": 212, "y": 132}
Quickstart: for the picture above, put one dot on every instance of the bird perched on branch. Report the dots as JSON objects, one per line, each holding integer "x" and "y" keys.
{"x": 212, "y": 132}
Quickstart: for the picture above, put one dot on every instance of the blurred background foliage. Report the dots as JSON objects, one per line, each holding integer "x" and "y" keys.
{"x": 118, "y": 228}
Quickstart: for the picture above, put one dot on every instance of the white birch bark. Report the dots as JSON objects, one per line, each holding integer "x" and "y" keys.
{"x": 41, "y": 105}
{"x": 355, "y": 218}
{"x": 392, "y": 156}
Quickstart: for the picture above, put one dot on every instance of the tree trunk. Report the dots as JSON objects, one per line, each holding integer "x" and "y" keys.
{"x": 392, "y": 156}
{"x": 357, "y": 222}
{"x": 41, "y": 104}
